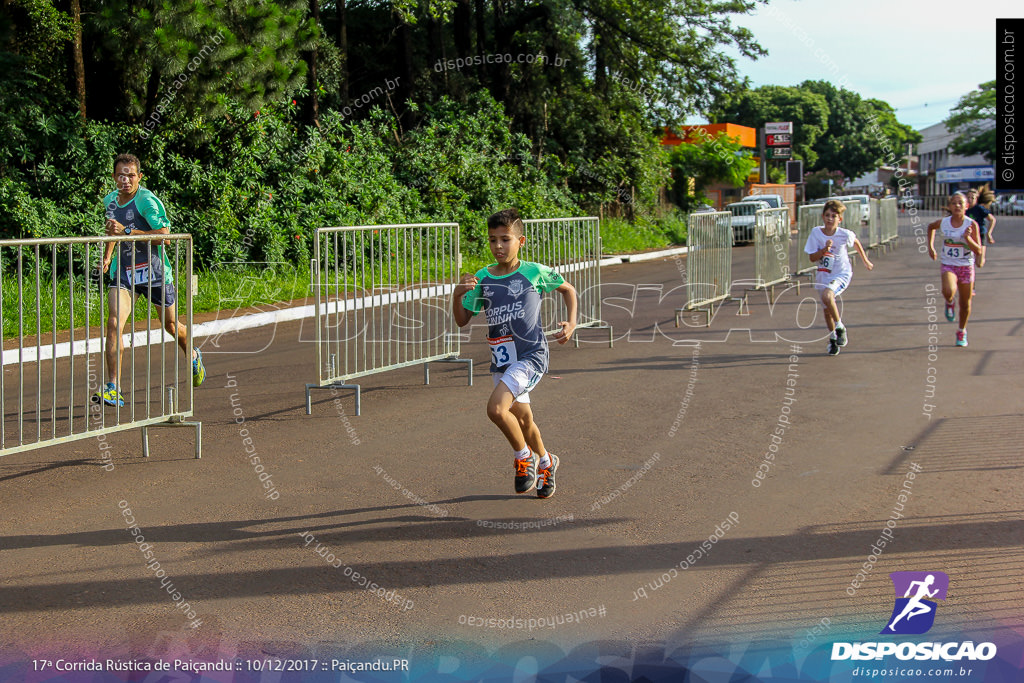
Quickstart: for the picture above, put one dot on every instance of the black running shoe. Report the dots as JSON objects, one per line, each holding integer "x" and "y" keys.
{"x": 841, "y": 336}
{"x": 546, "y": 478}
{"x": 526, "y": 473}
{"x": 833, "y": 347}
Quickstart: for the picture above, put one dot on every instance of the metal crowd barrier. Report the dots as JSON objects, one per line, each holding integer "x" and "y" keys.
{"x": 382, "y": 301}
{"x": 708, "y": 262}
{"x": 771, "y": 248}
{"x": 874, "y": 227}
{"x": 852, "y": 221}
{"x": 809, "y": 218}
{"x": 54, "y": 307}
{"x": 572, "y": 246}
{"x": 888, "y": 222}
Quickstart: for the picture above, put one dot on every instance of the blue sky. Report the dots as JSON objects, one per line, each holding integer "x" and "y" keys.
{"x": 913, "y": 54}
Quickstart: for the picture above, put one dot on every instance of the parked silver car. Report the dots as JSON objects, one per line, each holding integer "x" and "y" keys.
{"x": 1009, "y": 204}
{"x": 743, "y": 217}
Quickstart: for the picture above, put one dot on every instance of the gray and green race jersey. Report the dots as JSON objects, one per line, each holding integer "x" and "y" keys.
{"x": 512, "y": 303}
{"x": 135, "y": 263}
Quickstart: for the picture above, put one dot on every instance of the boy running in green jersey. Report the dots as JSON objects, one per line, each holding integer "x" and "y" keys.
{"x": 510, "y": 292}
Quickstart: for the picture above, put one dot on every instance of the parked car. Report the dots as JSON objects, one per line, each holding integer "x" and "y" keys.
{"x": 911, "y": 201}
{"x": 1009, "y": 204}
{"x": 865, "y": 204}
{"x": 743, "y": 217}
{"x": 774, "y": 201}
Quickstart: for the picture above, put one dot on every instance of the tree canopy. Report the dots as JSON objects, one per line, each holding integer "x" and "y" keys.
{"x": 973, "y": 122}
{"x": 834, "y": 128}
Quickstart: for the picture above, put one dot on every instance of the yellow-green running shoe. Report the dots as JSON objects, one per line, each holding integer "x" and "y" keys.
{"x": 109, "y": 396}
{"x": 198, "y": 370}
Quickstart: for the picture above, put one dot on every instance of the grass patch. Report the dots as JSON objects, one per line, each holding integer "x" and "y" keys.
{"x": 619, "y": 236}
{"x": 246, "y": 285}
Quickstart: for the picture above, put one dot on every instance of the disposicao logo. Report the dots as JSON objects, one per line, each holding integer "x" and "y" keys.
{"x": 914, "y": 614}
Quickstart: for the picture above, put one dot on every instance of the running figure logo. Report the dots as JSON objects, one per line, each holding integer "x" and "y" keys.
{"x": 913, "y": 613}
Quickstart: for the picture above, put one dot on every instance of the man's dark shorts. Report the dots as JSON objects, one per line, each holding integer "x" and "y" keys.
{"x": 162, "y": 295}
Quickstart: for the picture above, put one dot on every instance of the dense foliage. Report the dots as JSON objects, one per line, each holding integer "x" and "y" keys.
{"x": 258, "y": 122}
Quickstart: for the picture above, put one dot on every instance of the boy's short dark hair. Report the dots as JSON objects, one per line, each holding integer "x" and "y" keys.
{"x": 127, "y": 159}
{"x": 508, "y": 218}
{"x": 835, "y": 205}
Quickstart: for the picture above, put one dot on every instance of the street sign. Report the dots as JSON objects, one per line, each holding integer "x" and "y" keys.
{"x": 780, "y": 152}
{"x": 779, "y": 128}
{"x": 795, "y": 172}
{"x": 779, "y": 140}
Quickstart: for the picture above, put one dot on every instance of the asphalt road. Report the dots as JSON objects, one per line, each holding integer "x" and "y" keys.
{"x": 661, "y": 440}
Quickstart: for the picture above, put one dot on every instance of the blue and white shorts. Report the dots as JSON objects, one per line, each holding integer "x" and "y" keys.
{"x": 520, "y": 378}
{"x": 837, "y": 282}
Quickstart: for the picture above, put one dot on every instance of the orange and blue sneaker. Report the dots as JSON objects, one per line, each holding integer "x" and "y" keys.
{"x": 109, "y": 396}
{"x": 198, "y": 369}
{"x": 546, "y": 478}
{"x": 526, "y": 473}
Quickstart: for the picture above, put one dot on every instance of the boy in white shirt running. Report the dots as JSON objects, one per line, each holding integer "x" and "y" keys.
{"x": 827, "y": 245}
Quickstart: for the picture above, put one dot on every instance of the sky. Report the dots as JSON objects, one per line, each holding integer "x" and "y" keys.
{"x": 914, "y": 54}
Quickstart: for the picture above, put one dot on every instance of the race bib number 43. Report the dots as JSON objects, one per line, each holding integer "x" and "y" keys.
{"x": 503, "y": 350}
{"x": 954, "y": 250}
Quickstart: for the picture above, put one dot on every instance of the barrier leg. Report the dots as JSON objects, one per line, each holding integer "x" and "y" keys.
{"x": 467, "y": 361}
{"x": 145, "y": 442}
{"x": 310, "y": 387}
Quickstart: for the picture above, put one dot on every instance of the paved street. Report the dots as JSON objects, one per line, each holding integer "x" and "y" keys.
{"x": 744, "y": 432}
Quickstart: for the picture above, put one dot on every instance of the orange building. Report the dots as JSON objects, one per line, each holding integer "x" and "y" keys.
{"x": 745, "y": 135}
{"x": 720, "y": 194}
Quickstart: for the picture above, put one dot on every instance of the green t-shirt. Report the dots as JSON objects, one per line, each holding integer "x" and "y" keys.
{"x": 512, "y": 303}
{"x": 144, "y": 211}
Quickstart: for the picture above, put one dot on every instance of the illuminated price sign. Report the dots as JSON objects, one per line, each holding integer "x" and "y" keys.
{"x": 780, "y": 153}
{"x": 780, "y": 140}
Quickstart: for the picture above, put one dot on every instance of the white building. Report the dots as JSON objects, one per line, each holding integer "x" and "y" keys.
{"x": 942, "y": 172}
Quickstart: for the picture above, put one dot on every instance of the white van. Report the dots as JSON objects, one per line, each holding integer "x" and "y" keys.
{"x": 774, "y": 201}
{"x": 865, "y": 204}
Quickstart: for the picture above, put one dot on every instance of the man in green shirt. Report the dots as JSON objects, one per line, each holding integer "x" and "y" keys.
{"x": 137, "y": 268}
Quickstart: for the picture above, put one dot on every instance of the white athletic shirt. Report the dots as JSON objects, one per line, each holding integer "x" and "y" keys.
{"x": 837, "y": 261}
{"x": 954, "y": 250}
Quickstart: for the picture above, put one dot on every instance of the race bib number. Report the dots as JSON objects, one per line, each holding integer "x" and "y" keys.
{"x": 825, "y": 264}
{"x": 503, "y": 350}
{"x": 954, "y": 250}
{"x": 139, "y": 275}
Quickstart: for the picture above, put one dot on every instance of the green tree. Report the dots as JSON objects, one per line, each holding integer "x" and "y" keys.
{"x": 973, "y": 122}
{"x": 807, "y": 110}
{"x": 709, "y": 160}
{"x": 861, "y": 135}
{"x": 816, "y": 185}
{"x": 183, "y": 59}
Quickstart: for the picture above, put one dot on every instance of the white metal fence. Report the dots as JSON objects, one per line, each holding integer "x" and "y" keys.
{"x": 382, "y": 301}
{"x": 771, "y": 248}
{"x": 54, "y": 308}
{"x": 708, "y": 262}
{"x": 572, "y": 247}
{"x": 809, "y": 218}
{"x": 888, "y": 221}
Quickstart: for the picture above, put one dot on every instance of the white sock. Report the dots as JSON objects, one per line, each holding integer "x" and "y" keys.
{"x": 545, "y": 461}
{"x": 832, "y": 334}
{"x": 839, "y": 325}
{"x": 523, "y": 454}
